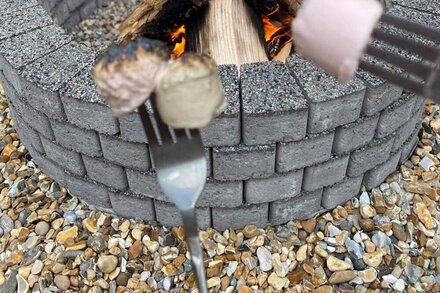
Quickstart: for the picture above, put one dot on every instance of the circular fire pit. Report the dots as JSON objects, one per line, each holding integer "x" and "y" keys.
{"x": 292, "y": 142}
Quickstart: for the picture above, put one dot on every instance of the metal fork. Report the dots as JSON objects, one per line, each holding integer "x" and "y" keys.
{"x": 180, "y": 163}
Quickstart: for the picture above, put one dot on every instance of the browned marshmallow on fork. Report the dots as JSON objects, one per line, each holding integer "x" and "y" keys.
{"x": 127, "y": 76}
{"x": 190, "y": 94}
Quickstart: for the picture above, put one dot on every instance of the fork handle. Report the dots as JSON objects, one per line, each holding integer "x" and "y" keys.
{"x": 192, "y": 239}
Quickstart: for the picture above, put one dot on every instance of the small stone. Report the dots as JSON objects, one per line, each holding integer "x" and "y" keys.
{"x": 319, "y": 277}
{"x": 367, "y": 211}
{"x": 276, "y": 282}
{"x": 368, "y": 275}
{"x": 428, "y": 176}
{"x": 107, "y": 263}
{"x": 264, "y": 258}
{"x": 380, "y": 239}
{"x": 399, "y": 285}
{"x": 213, "y": 282}
{"x": 6, "y": 223}
{"x": 42, "y": 228}
{"x": 426, "y": 163}
{"x": 413, "y": 273}
{"x": 342, "y": 277}
{"x": 122, "y": 279}
{"x": 335, "y": 264}
{"x": 296, "y": 277}
{"x": 37, "y": 267}
{"x": 301, "y": 254}
{"x": 424, "y": 215}
{"x": 354, "y": 248}
{"x": 91, "y": 224}
{"x": 67, "y": 234}
{"x": 62, "y": 282}
{"x": 250, "y": 231}
{"x": 70, "y": 217}
{"x": 135, "y": 250}
{"x": 364, "y": 198}
{"x": 323, "y": 289}
{"x": 23, "y": 286}
{"x": 373, "y": 259}
{"x": 309, "y": 225}
{"x": 10, "y": 283}
{"x": 367, "y": 225}
{"x": 399, "y": 232}
{"x": 245, "y": 289}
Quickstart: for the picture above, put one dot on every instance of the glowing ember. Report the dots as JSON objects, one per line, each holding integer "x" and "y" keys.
{"x": 276, "y": 30}
{"x": 178, "y": 42}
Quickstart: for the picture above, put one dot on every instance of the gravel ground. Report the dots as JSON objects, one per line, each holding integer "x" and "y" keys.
{"x": 387, "y": 240}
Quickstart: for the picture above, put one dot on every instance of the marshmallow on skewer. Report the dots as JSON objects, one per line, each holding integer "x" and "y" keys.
{"x": 335, "y": 33}
{"x": 190, "y": 94}
{"x": 127, "y": 76}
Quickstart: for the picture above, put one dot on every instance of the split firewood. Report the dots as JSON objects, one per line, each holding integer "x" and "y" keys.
{"x": 156, "y": 19}
{"x": 190, "y": 94}
{"x": 126, "y": 76}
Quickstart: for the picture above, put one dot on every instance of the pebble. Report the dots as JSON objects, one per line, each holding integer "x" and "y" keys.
{"x": 42, "y": 228}
{"x": 23, "y": 286}
{"x": 380, "y": 239}
{"x": 354, "y": 248}
{"x": 276, "y": 282}
{"x": 107, "y": 263}
{"x": 373, "y": 259}
{"x": 368, "y": 275}
{"x": 264, "y": 259}
{"x": 413, "y": 273}
{"x": 62, "y": 282}
{"x": 6, "y": 223}
{"x": 342, "y": 277}
{"x": 424, "y": 215}
{"x": 335, "y": 264}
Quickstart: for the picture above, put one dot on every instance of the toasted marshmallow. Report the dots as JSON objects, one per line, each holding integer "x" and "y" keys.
{"x": 126, "y": 76}
{"x": 190, "y": 94}
{"x": 335, "y": 33}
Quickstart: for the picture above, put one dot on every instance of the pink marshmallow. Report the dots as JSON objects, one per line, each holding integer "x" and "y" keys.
{"x": 335, "y": 33}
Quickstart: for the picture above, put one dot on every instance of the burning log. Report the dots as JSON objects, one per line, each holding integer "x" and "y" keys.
{"x": 158, "y": 18}
{"x": 190, "y": 94}
{"x": 229, "y": 31}
{"x": 126, "y": 76}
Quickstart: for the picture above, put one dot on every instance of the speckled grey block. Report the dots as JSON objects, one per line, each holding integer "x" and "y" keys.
{"x": 50, "y": 168}
{"x": 226, "y": 194}
{"x": 16, "y": 22}
{"x": 88, "y": 8}
{"x": 71, "y": 161}
{"x": 376, "y": 176}
{"x": 168, "y": 215}
{"x": 325, "y": 174}
{"x": 274, "y": 109}
{"x": 297, "y": 155}
{"x": 84, "y": 107}
{"x": 74, "y": 4}
{"x": 341, "y": 192}
{"x": 223, "y": 218}
{"x": 77, "y": 139}
{"x": 278, "y": 187}
{"x": 104, "y": 172}
{"x": 145, "y": 183}
{"x": 330, "y": 103}
{"x": 243, "y": 162}
{"x": 88, "y": 191}
{"x": 33, "y": 138}
{"x": 409, "y": 146}
{"x": 370, "y": 156}
{"x": 430, "y": 6}
{"x": 128, "y": 154}
{"x": 11, "y": 5}
{"x": 355, "y": 135}
{"x": 395, "y": 115}
{"x": 130, "y": 206}
{"x": 132, "y": 129}
{"x": 404, "y": 132}
{"x": 303, "y": 207}
{"x": 60, "y": 12}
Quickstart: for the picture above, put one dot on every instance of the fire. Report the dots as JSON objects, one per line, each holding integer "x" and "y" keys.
{"x": 276, "y": 30}
{"x": 178, "y": 40}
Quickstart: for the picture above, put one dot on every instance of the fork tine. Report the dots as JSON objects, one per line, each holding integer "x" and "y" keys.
{"x": 180, "y": 134}
{"x": 425, "y": 51}
{"x": 406, "y": 83}
{"x": 419, "y": 69}
{"x": 417, "y": 28}
{"x": 148, "y": 127}
{"x": 163, "y": 129}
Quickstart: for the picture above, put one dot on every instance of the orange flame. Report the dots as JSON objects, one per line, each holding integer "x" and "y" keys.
{"x": 178, "y": 39}
{"x": 276, "y": 30}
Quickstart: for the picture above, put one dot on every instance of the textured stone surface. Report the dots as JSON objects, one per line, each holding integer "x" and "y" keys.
{"x": 130, "y": 206}
{"x": 377, "y": 175}
{"x": 409, "y": 146}
{"x": 223, "y": 218}
{"x": 303, "y": 207}
{"x": 168, "y": 215}
{"x": 71, "y": 161}
{"x": 312, "y": 150}
{"x": 105, "y": 172}
{"x": 340, "y": 192}
{"x": 90, "y": 192}
{"x": 325, "y": 174}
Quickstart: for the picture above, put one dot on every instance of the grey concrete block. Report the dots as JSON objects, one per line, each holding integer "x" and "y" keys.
{"x": 90, "y": 192}
{"x": 132, "y": 129}
{"x": 127, "y": 154}
{"x": 297, "y": 155}
{"x": 11, "y": 5}
{"x": 208, "y": 157}
{"x": 330, "y": 103}
{"x": 169, "y": 216}
{"x": 50, "y": 168}
{"x": 243, "y": 162}
{"x": 20, "y": 21}
{"x": 354, "y": 135}
{"x": 280, "y": 186}
{"x": 224, "y": 218}
{"x": 33, "y": 45}
{"x": 88, "y": 8}
{"x": 226, "y": 194}
{"x": 404, "y": 132}
{"x": 74, "y": 4}
{"x": 428, "y": 6}
{"x": 222, "y": 131}
{"x": 60, "y": 12}
{"x": 409, "y": 146}
{"x": 419, "y": 106}
{"x": 395, "y": 115}
{"x": 106, "y": 173}
{"x": 130, "y": 206}
{"x": 71, "y": 161}
{"x": 373, "y": 178}
{"x": 77, "y": 139}
{"x": 303, "y": 207}
{"x": 79, "y": 98}
{"x": 325, "y": 174}
{"x": 73, "y": 19}
{"x": 29, "y": 135}
{"x": 341, "y": 192}
{"x": 146, "y": 184}
{"x": 375, "y": 153}
{"x": 276, "y": 111}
